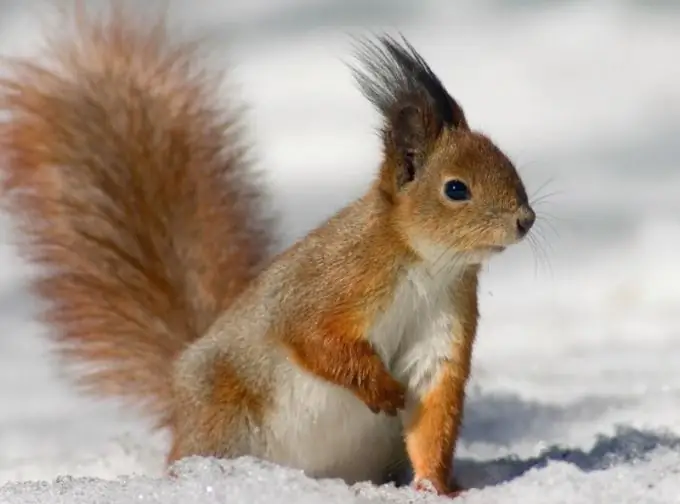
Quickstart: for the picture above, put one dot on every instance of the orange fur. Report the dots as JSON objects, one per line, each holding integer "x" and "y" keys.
{"x": 200, "y": 423}
{"x": 328, "y": 336}
{"x": 338, "y": 354}
{"x": 133, "y": 194}
{"x": 432, "y": 433}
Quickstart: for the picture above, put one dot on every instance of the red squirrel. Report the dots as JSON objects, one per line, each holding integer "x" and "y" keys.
{"x": 343, "y": 355}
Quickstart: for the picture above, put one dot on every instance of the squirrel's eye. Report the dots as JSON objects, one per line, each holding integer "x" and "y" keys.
{"x": 456, "y": 190}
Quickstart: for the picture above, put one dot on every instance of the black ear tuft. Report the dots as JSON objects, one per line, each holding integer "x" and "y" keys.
{"x": 414, "y": 103}
{"x": 394, "y": 73}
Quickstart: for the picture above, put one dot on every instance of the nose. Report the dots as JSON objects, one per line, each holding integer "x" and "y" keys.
{"x": 525, "y": 221}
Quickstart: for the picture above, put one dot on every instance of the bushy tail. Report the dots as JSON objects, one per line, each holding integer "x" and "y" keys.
{"x": 131, "y": 189}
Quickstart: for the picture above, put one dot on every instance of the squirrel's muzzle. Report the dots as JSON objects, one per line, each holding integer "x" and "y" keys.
{"x": 525, "y": 220}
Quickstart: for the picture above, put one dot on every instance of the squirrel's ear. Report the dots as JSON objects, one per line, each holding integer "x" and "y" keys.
{"x": 407, "y": 137}
{"x": 415, "y": 105}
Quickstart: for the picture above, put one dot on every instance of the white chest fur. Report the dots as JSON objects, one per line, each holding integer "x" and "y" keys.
{"x": 416, "y": 332}
{"x": 324, "y": 429}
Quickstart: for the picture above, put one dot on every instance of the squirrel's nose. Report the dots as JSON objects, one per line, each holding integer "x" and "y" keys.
{"x": 525, "y": 221}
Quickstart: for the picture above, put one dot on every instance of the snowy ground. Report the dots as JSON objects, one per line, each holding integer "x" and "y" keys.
{"x": 575, "y": 395}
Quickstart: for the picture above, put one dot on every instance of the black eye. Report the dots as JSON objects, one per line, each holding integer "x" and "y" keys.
{"x": 456, "y": 190}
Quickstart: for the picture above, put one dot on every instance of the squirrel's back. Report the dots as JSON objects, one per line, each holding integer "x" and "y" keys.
{"x": 133, "y": 193}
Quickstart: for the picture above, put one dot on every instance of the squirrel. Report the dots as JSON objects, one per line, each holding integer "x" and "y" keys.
{"x": 344, "y": 354}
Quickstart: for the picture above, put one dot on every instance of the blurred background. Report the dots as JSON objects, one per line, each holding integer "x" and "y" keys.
{"x": 580, "y": 331}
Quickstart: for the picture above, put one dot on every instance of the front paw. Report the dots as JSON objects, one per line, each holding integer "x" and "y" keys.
{"x": 438, "y": 488}
{"x": 384, "y": 394}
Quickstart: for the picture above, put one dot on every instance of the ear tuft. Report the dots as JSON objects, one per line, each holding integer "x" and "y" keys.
{"x": 415, "y": 106}
{"x": 391, "y": 73}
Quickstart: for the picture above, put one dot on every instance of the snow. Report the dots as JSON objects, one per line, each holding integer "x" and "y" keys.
{"x": 575, "y": 394}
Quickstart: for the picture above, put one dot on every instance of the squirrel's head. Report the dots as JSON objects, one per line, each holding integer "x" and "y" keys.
{"x": 449, "y": 188}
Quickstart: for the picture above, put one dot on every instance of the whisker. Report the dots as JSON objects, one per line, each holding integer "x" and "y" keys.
{"x": 545, "y": 213}
{"x": 544, "y": 219}
{"x": 543, "y": 186}
{"x": 541, "y": 248}
{"x": 536, "y": 253}
{"x": 532, "y": 245}
{"x": 453, "y": 264}
{"x": 544, "y": 198}
{"x": 435, "y": 271}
